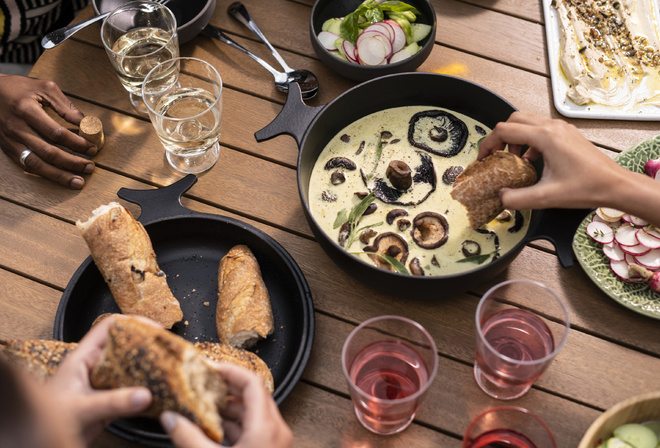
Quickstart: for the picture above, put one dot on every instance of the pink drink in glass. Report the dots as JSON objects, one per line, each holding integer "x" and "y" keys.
{"x": 389, "y": 364}
{"x": 515, "y": 346}
{"x": 508, "y": 427}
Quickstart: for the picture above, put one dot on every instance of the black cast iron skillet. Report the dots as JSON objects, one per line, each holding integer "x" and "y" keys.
{"x": 189, "y": 246}
{"x": 313, "y": 127}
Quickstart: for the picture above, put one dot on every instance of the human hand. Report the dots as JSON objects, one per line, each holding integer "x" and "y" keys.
{"x": 250, "y": 420}
{"x": 575, "y": 173}
{"x": 25, "y": 124}
{"x": 92, "y": 410}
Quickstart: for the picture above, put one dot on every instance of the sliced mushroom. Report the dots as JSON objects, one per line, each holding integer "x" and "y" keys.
{"x": 344, "y": 232}
{"x": 345, "y": 138}
{"x": 505, "y": 216}
{"x": 470, "y": 248}
{"x": 519, "y": 221}
{"x": 403, "y": 224}
{"x": 430, "y": 230}
{"x": 385, "y": 135}
{"x": 340, "y": 162}
{"x": 394, "y": 214}
{"x": 450, "y": 174}
{"x": 337, "y": 178}
{"x": 370, "y": 209}
{"x": 388, "y": 243}
{"x": 399, "y": 175}
{"x": 328, "y": 196}
{"x": 361, "y": 194}
{"x": 415, "y": 268}
{"x": 481, "y": 131}
{"x": 367, "y": 235}
{"x": 360, "y": 149}
{"x": 437, "y": 132}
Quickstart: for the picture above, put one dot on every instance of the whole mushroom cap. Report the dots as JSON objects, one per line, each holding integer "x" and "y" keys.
{"x": 388, "y": 243}
{"x": 430, "y": 230}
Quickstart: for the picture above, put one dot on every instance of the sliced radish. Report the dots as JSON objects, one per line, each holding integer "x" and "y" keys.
{"x": 373, "y": 51}
{"x": 635, "y": 250}
{"x": 650, "y": 260}
{"x": 652, "y": 231}
{"x": 600, "y": 232}
{"x": 611, "y": 213}
{"x": 399, "y": 40}
{"x": 349, "y": 51}
{"x": 383, "y": 28}
{"x": 613, "y": 251}
{"x": 620, "y": 269}
{"x": 369, "y": 34}
{"x": 609, "y": 223}
{"x": 604, "y": 217}
{"x": 634, "y": 220}
{"x": 399, "y": 56}
{"x": 328, "y": 39}
{"x": 647, "y": 240}
{"x": 626, "y": 235}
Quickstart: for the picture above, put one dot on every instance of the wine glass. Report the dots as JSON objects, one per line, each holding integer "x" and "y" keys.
{"x": 515, "y": 345}
{"x": 137, "y": 36}
{"x": 389, "y": 363}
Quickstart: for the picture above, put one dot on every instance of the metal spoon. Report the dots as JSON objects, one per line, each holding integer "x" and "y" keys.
{"x": 308, "y": 84}
{"x": 54, "y": 38}
{"x": 305, "y": 78}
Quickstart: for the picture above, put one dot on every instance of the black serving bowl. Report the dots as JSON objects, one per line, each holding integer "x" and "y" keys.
{"x": 327, "y": 9}
{"x": 191, "y": 15}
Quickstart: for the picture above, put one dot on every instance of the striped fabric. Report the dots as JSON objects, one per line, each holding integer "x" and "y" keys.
{"x": 24, "y": 22}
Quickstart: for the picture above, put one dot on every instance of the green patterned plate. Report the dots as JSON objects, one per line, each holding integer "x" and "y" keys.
{"x": 636, "y": 296}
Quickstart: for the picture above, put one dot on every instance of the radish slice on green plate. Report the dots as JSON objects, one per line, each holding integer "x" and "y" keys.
{"x": 620, "y": 269}
{"x": 650, "y": 260}
{"x": 613, "y": 251}
{"x": 626, "y": 235}
{"x": 635, "y": 250}
{"x": 600, "y": 232}
{"x": 647, "y": 240}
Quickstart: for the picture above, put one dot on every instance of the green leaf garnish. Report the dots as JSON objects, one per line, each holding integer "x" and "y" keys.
{"x": 354, "y": 217}
{"x": 342, "y": 217}
{"x": 478, "y": 259}
{"x": 371, "y": 11}
{"x": 396, "y": 264}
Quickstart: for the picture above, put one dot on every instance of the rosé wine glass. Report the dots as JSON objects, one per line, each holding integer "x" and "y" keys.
{"x": 510, "y": 427}
{"x": 514, "y": 345}
{"x": 389, "y": 363}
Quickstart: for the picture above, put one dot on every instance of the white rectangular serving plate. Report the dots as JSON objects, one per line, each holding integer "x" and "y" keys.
{"x": 560, "y": 84}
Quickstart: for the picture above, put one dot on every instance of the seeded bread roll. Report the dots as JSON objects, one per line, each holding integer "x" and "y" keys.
{"x": 226, "y": 353}
{"x": 180, "y": 378}
{"x": 243, "y": 314}
{"x": 41, "y": 357}
{"x": 478, "y": 186}
{"x": 122, "y": 251}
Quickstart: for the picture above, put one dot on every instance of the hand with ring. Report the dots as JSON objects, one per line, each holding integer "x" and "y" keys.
{"x": 34, "y": 140}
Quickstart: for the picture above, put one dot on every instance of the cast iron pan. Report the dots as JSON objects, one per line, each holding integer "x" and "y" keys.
{"x": 191, "y": 15}
{"x": 189, "y": 246}
{"x": 313, "y": 127}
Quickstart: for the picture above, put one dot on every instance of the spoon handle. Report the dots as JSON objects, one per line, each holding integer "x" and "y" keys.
{"x": 54, "y": 38}
{"x": 239, "y": 12}
{"x": 211, "y": 31}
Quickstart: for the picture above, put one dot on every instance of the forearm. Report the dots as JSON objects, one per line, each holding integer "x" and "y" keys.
{"x": 636, "y": 194}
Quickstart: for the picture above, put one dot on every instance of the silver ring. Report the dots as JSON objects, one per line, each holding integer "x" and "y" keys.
{"x": 26, "y": 152}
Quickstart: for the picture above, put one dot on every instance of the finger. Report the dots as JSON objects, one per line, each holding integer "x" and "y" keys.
{"x": 109, "y": 405}
{"x": 57, "y": 157}
{"x": 534, "y": 197}
{"x": 233, "y": 431}
{"x": 234, "y": 411}
{"x": 524, "y": 118}
{"x": 45, "y": 126}
{"x": 183, "y": 432}
{"x": 34, "y": 165}
{"x": 51, "y": 94}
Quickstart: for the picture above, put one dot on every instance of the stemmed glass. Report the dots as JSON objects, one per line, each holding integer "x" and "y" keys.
{"x": 138, "y": 36}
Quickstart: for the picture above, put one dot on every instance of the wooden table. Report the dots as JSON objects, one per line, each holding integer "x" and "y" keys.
{"x": 611, "y": 354}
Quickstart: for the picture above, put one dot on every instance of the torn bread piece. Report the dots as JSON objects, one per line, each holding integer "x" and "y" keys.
{"x": 40, "y": 357}
{"x": 179, "y": 377}
{"x": 478, "y": 186}
{"x": 122, "y": 251}
{"x": 243, "y": 314}
{"x": 226, "y": 353}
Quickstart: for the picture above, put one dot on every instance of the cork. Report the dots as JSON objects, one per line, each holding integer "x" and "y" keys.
{"x": 91, "y": 129}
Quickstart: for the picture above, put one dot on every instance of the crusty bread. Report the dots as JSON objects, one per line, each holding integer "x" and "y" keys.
{"x": 226, "y": 353}
{"x": 478, "y": 186}
{"x": 243, "y": 314}
{"x": 179, "y": 377}
{"x": 41, "y": 357}
{"x": 122, "y": 251}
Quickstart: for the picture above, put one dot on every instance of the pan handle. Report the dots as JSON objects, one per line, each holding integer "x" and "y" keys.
{"x": 558, "y": 225}
{"x": 294, "y": 118}
{"x": 162, "y": 202}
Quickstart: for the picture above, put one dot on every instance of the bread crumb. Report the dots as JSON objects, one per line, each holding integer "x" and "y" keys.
{"x": 206, "y": 303}
{"x": 194, "y": 290}
{"x": 185, "y": 323}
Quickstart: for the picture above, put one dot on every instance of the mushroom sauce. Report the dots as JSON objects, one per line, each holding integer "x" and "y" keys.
{"x": 408, "y": 157}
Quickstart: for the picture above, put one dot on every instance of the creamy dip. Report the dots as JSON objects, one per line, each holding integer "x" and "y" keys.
{"x": 374, "y": 141}
{"x": 610, "y": 51}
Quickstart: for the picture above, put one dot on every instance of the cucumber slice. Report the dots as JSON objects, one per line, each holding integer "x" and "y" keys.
{"x": 639, "y": 436}
{"x": 654, "y": 425}
{"x": 613, "y": 442}
{"x": 419, "y": 31}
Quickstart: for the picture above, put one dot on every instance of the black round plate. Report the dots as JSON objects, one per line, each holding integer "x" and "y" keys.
{"x": 189, "y": 250}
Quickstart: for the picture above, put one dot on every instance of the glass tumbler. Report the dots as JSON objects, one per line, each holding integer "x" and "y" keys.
{"x": 508, "y": 426}
{"x": 515, "y": 346}
{"x": 137, "y": 36}
{"x": 184, "y": 99}
{"x": 389, "y": 363}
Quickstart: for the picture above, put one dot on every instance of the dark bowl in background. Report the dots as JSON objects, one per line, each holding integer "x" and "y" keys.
{"x": 191, "y": 15}
{"x": 326, "y": 9}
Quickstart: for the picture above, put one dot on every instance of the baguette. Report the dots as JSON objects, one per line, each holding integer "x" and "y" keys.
{"x": 243, "y": 313}
{"x": 179, "y": 377}
{"x": 478, "y": 186}
{"x": 40, "y": 357}
{"x": 226, "y": 353}
{"x": 122, "y": 251}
